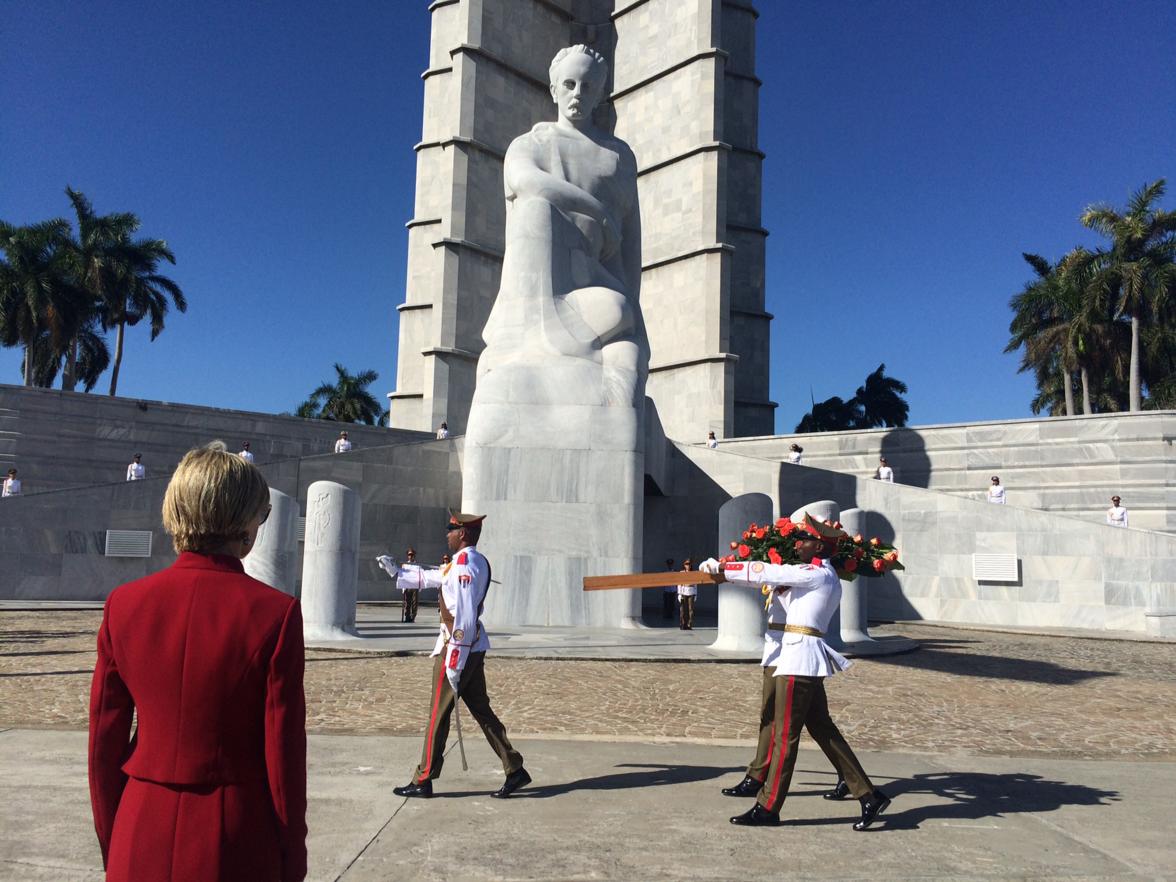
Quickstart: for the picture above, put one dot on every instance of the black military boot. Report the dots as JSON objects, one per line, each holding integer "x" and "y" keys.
{"x": 747, "y": 787}
{"x": 515, "y": 780}
{"x": 424, "y": 789}
{"x": 872, "y": 806}
{"x": 757, "y": 816}
{"x": 840, "y": 790}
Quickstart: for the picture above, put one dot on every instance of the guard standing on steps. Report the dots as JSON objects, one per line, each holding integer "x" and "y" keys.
{"x": 459, "y": 662}
{"x": 807, "y": 595}
{"x": 686, "y": 596}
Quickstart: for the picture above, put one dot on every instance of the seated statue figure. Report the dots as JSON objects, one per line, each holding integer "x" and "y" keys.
{"x": 566, "y": 326}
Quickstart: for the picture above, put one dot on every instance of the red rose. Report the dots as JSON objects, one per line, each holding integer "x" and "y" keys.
{"x": 850, "y": 565}
{"x": 774, "y": 556}
{"x": 892, "y": 557}
{"x": 747, "y": 534}
{"x": 875, "y": 541}
{"x": 857, "y": 538}
{"x": 727, "y": 559}
{"x": 784, "y": 525}
{"x": 759, "y": 534}
{"x": 878, "y": 565}
{"x": 734, "y": 545}
{"x": 859, "y": 553}
{"x": 743, "y": 550}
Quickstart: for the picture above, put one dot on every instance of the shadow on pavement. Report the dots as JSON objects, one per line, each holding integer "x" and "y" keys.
{"x": 936, "y": 655}
{"x": 972, "y": 796}
{"x": 648, "y": 776}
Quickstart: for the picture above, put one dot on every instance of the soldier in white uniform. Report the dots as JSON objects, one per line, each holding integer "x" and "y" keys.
{"x": 135, "y": 470}
{"x": 996, "y": 492}
{"x": 459, "y": 662}
{"x": 884, "y": 472}
{"x": 805, "y": 599}
{"x": 1117, "y": 513}
{"x": 246, "y": 454}
{"x": 686, "y": 598}
{"x": 410, "y": 581}
{"x": 342, "y": 445}
{"x": 12, "y": 484}
{"x": 443, "y": 432}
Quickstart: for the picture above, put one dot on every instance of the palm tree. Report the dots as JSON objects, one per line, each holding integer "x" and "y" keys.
{"x": 40, "y": 306}
{"x": 96, "y": 253}
{"x": 881, "y": 401}
{"x": 136, "y": 290}
{"x": 1138, "y": 271}
{"x": 831, "y": 415}
{"x": 1045, "y": 314}
{"x": 347, "y": 399}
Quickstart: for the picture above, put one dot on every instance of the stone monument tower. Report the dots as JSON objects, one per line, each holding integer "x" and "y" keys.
{"x": 684, "y": 96}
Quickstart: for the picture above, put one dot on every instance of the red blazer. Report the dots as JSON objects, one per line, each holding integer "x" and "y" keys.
{"x": 212, "y": 660}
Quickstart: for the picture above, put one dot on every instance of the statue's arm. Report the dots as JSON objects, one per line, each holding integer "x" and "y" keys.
{"x": 631, "y": 236}
{"x": 525, "y": 177}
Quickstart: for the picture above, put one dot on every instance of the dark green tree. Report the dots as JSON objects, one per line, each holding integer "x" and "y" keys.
{"x": 346, "y": 400}
{"x": 1137, "y": 271}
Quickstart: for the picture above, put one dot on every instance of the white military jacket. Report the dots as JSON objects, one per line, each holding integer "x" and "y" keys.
{"x": 812, "y": 594}
{"x": 463, "y": 585}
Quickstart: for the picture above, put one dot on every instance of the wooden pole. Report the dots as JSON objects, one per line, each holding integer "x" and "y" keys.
{"x": 650, "y": 580}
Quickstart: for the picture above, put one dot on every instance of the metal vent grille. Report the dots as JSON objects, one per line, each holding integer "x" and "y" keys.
{"x": 302, "y": 529}
{"x": 128, "y": 543}
{"x": 995, "y": 568}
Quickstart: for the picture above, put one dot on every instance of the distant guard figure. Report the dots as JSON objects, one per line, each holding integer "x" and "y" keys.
{"x": 711, "y": 441}
{"x": 443, "y": 432}
{"x": 996, "y": 492}
{"x": 807, "y": 596}
{"x": 246, "y": 454}
{"x": 686, "y": 597}
{"x": 794, "y": 454}
{"x": 11, "y": 484}
{"x": 884, "y": 472}
{"x": 343, "y": 445}
{"x": 1117, "y": 513}
{"x": 135, "y": 470}
{"x": 459, "y": 661}
{"x": 410, "y": 580}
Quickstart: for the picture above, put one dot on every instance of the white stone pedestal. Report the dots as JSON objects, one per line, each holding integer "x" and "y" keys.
{"x": 274, "y": 558}
{"x": 854, "y": 595}
{"x": 562, "y": 488}
{"x": 330, "y": 562}
{"x": 741, "y": 608}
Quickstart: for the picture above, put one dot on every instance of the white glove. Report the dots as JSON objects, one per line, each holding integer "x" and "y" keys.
{"x": 711, "y": 566}
{"x": 454, "y": 677}
{"x": 388, "y": 565}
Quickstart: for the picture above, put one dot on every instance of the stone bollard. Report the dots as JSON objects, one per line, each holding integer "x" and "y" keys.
{"x": 855, "y": 607}
{"x": 741, "y": 609}
{"x": 825, "y": 510}
{"x": 274, "y": 558}
{"x": 330, "y": 563}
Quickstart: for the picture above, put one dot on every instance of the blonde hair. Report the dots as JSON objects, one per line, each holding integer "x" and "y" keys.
{"x": 211, "y": 498}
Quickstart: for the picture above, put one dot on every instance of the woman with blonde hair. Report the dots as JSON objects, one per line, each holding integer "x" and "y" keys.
{"x": 212, "y": 785}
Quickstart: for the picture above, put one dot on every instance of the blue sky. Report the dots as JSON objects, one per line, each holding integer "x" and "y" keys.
{"x": 914, "y": 150}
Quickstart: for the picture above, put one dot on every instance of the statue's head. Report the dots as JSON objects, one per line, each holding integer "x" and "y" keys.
{"x": 577, "y": 75}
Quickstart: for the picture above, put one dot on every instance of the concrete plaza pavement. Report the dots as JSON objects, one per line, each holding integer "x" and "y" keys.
{"x": 640, "y": 810}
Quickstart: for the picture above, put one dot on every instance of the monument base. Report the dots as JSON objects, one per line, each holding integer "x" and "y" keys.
{"x": 562, "y": 487}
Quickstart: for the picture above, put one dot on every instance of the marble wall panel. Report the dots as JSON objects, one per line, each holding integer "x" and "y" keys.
{"x": 678, "y": 207}
{"x": 525, "y": 34}
{"x": 737, "y": 38}
{"x": 654, "y": 36}
{"x": 740, "y": 112}
{"x": 671, "y": 115}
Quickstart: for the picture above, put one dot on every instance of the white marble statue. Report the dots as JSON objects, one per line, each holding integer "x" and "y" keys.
{"x": 572, "y": 269}
{"x": 555, "y": 429}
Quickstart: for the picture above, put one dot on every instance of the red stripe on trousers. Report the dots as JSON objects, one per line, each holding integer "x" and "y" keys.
{"x": 432, "y": 719}
{"x": 787, "y": 718}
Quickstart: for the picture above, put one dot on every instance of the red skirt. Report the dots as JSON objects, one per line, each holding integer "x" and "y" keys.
{"x": 166, "y": 833}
